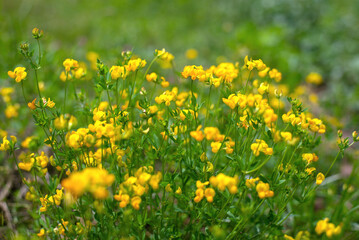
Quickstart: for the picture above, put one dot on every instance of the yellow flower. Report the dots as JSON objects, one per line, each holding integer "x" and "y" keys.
{"x": 48, "y": 103}
{"x": 275, "y": 74}
{"x": 263, "y": 73}
{"x": 221, "y": 181}
{"x": 321, "y": 226}
{"x": 135, "y": 64}
{"x": 179, "y": 190}
{"x": 199, "y": 195}
{"x": 93, "y": 180}
{"x": 310, "y": 170}
{"x": 11, "y": 111}
{"x": 201, "y": 185}
{"x": 32, "y": 105}
{"x": 92, "y": 58}
{"x": 301, "y": 235}
{"x": 18, "y": 74}
{"x": 310, "y": 157}
{"x": 135, "y": 202}
{"x": 329, "y": 228}
{"x": 209, "y": 193}
{"x": 152, "y": 77}
{"x": 261, "y": 146}
{"x": 168, "y": 188}
{"x": 3, "y": 133}
{"x": 155, "y": 179}
{"x": 6, "y": 144}
{"x": 320, "y": 178}
{"x": 5, "y": 93}
{"x": 117, "y": 72}
{"x": 251, "y": 183}
{"x": 64, "y": 76}
{"x": 80, "y": 72}
{"x": 164, "y": 83}
{"x": 27, "y": 162}
{"x": 249, "y": 64}
{"x": 287, "y": 136}
{"x": 314, "y": 78}
{"x": 70, "y": 64}
{"x": 60, "y": 227}
{"x": 41, "y": 233}
{"x": 288, "y": 237}
{"x": 198, "y": 134}
{"x": 215, "y": 146}
{"x": 263, "y": 190}
{"x": 191, "y": 53}
{"x": 208, "y": 167}
{"x": 124, "y": 199}
{"x": 163, "y": 55}
{"x": 263, "y": 88}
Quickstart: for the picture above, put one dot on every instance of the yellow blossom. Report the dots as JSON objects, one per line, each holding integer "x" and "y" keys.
{"x": 275, "y": 74}
{"x": 41, "y": 234}
{"x": 314, "y": 78}
{"x": 70, "y": 64}
{"x": 93, "y": 180}
{"x": 18, "y": 74}
{"x": 179, "y": 190}
{"x": 191, "y": 53}
{"x": 11, "y": 111}
{"x": 152, "y": 77}
{"x": 209, "y": 193}
{"x": 263, "y": 190}
{"x": 320, "y": 178}
{"x": 117, "y": 72}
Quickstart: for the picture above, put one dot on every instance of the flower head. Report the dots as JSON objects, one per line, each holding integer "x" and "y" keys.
{"x": 18, "y": 74}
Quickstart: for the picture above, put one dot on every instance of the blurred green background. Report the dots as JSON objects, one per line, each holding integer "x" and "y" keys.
{"x": 296, "y": 37}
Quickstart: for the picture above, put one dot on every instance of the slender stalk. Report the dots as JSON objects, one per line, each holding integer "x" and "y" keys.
{"x": 149, "y": 66}
{"x": 37, "y": 83}
{"x": 249, "y": 75}
{"x": 133, "y": 89}
{"x": 75, "y": 93}
{"x": 335, "y": 159}
{"x": 67, "y": 78}
{"x": 208, "y": 102}
{"x": 23, "y": 91}
{"x": 117, "y": 92}
{"x": 39, "y": 47}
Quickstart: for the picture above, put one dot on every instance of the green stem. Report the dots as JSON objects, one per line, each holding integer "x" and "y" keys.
{"x": 335, "y": 159}
{"x": 230, "y": 236}
{"x": 132, "y": 90}
{"x": 39, "y": 47}
{"x": 38, "y": 88}
{"x": 75, "y": 93}
{"x": 67, "y": 78}
{"x": 17, "y": 166}
{"x": 149, "y": 66}
{"x": 117, "y": 93}
{"x": 249, "y": 75}
{"x": 23, "y": 91}
{"x": 208, "y": 102}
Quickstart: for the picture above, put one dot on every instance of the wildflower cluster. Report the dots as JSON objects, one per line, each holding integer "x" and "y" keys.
{"x": 324, "y": 226}
{"x": 120, "y": 158}
{"x": 134, "y": 187}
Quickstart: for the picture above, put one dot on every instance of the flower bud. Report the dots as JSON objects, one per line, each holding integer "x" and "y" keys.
{"x": 36, "y": 33}
{"x": 24, "y": 46}
{"x": 355, "y": 136}
{"x": 340, "y": 133}
{"x": 278, "y": 93}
